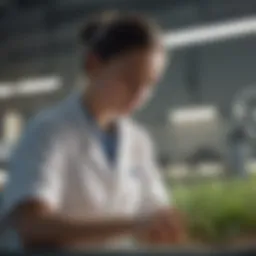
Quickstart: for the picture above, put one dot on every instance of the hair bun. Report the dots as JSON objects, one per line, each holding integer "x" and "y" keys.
{"x": 89, "y": 31}
{"x": 95, "y": 24}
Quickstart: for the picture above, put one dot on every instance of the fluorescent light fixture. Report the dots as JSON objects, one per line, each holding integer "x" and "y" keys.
{"x": 193, "y": 114}
{"x": 40, "y": 85}
{"x": 6, "y": 90}
{"x": 30, "y": 86}
{"x": 211, "y": 33}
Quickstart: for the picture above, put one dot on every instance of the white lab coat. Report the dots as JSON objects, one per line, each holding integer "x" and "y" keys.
{"x": 58, "y": 160}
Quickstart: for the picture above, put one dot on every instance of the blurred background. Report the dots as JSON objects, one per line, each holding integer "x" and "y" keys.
{"x": 202, "y": 118}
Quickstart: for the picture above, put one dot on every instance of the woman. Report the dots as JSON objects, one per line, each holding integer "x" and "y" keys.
{"x": 84, "y": 173}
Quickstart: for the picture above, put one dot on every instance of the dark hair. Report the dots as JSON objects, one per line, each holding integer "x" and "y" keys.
{"x": 111, "y": 34}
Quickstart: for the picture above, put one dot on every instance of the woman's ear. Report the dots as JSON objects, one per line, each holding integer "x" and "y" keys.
{"x": 92, "y": 64}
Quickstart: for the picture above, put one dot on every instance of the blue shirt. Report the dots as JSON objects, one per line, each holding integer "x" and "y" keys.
{"x": 108, "y": 140}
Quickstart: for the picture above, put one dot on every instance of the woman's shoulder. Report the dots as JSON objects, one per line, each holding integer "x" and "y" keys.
{"x": 140, "y": 132}
{"x": 48, "y": 119}
{"x": 54, "y": 121}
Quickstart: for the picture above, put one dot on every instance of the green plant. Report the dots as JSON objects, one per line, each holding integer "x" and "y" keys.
{"x": 219, "y": 210}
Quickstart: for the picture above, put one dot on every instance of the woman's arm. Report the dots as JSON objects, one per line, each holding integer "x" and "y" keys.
{"x": 38, "y": 226}
{"x": 171, "y": 230}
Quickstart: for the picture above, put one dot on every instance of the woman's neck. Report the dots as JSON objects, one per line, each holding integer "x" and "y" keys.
{"x": 98, "y": 109}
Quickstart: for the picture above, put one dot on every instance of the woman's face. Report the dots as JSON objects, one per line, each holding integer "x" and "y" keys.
{"x": 129, "y": 80}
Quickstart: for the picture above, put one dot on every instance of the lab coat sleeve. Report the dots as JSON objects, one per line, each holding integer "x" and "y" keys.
{"x": 37, "y": 168}
{"x": 155, "y": 193}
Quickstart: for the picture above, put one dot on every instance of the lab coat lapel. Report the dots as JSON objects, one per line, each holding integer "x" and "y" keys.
{"x": 115, "y": 173}
{"x": 113, "y": 177}
{"x": 95, "y": 156}
{"x": 123, "y": 159}
{"x": 123, "y": 165}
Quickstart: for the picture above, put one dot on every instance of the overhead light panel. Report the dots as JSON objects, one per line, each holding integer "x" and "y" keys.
{"x": 211, "y": 33}
{"x": 39, "y": 85}
{"x": 6, "y": 90}
{"x": 30, "y": 87}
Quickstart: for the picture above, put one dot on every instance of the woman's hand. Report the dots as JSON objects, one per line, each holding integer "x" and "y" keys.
{"x": 166, "y": 227}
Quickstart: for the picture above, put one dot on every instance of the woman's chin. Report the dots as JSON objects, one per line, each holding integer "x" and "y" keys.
{"x": 128, "y": 110}
{"x": 125, "y": 113}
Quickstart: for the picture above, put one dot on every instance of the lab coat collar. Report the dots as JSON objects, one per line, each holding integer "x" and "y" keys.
{"x": 123, "y": 160}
